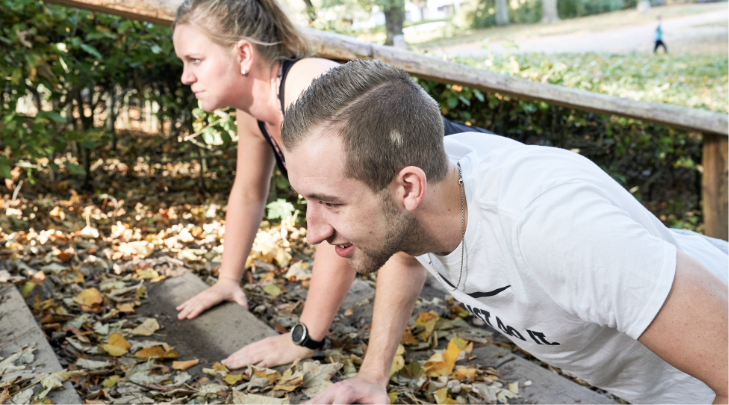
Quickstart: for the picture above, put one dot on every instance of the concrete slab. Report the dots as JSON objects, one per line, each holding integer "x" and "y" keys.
{"x": 547, "y": 387}
{"x": 19, "y": 328}
{"x": 210, "y": 337}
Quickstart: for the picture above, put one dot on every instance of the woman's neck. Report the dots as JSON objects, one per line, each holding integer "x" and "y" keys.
{"x": 262, "y": 101}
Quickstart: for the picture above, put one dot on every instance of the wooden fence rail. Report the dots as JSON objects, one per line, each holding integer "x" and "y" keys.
{"x": 713, "y": 125}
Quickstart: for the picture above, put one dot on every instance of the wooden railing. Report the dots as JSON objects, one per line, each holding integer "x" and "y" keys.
{"x": 714, "y": 126}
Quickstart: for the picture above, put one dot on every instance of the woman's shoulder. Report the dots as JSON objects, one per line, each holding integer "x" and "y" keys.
{"x": 301, "y": 75}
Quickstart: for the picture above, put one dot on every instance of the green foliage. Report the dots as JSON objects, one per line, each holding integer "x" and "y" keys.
{"x": 581, "y": 8}
{"x": 279, "y": 209}
{"x": 658, "y": 165}
{"x": 476, "y": 14}
{"x": 64, "y": 69}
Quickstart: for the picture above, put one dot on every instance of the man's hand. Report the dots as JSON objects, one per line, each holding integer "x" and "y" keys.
{"x": 269, "y": 352}
{"x": 224, "y": 290}
{"x": 359, "y": 390}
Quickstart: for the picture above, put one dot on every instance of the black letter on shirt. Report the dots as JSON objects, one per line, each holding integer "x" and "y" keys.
{"x": 534, "y": 335}
{"x": 509, "y": 330}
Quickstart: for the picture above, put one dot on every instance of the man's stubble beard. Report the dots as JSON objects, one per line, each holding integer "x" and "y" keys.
{"x": 403, "y": 233}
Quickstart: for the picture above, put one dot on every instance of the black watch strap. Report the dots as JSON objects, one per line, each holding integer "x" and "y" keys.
{"x": 300, "y": 336}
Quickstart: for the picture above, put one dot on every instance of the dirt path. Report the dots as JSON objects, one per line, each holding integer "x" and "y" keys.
{"x": 702, "y": 33}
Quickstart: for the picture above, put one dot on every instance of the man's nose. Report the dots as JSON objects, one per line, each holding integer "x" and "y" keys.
{"x": 317, "y": 230}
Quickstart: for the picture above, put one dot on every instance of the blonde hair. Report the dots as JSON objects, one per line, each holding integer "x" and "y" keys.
{"x": 262, "y": 22}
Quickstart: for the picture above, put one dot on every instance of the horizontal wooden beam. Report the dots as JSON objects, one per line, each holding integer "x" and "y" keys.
{"x": 154, "y": 11}
{"x": 343, "y": 48}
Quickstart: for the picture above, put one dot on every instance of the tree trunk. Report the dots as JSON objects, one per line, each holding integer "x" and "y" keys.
{"x": 310, "y": 10}
{"x": 549, "y": 11}
{"x": 111, "y": 116}
{"x": 394, "y": 20}
{"x": 502, "y": 12}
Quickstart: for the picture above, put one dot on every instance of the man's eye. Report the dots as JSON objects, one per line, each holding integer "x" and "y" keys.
{"x": 195, "y": 60}
{"x": 329, "y": 205}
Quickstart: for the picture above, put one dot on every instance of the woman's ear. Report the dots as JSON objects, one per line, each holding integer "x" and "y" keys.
{"x": 244, "y": 54}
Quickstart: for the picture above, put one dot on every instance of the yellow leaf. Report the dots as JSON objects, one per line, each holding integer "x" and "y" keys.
{"x": 89, "y": 297}
{"x": 441, "y": 396}
{"x": 231, "y": 379}
{"x": 398, "y": 362}
{"x": 217, "y": 366}
{"x": 147, "y": 328}
{"x": 348, "y": 312}
{"x": 393, "y": 396}
{"x": 290, "y": 381}
{"x": 27, "y": 288}
{"x": 127, "y": 307}
{"x": 427, "y": 320}
{"x": 441, "y": 364}
{"x": 425, "y": 317}
{"x": 408, "y": 338}
{"x": 273, "y": 290}
{"x": 184, "y": 365}
{"x": 155, "y": 352}
{"x": 147, "y": 273}
{"x": 116, "y": 345}
{"x": 464, "y": 374}
{"x": 111, "y": 381}
{"x": 514, "y": 387}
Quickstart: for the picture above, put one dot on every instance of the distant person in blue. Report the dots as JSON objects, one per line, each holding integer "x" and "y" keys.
{"x": 659, "y": 37}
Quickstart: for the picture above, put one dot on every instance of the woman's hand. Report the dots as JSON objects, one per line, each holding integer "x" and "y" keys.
{"x": 270, "y": 352}
{"x": 224, "y": 290}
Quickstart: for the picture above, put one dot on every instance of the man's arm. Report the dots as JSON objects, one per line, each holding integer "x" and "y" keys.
{"x": 398, "y": 286}
{"x": 690, "y": 330}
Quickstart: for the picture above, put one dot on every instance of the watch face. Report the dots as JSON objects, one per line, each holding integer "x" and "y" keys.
{"x": 298, "y": 333}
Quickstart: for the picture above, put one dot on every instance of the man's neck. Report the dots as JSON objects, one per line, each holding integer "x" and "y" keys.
{"x": 441, "y": 217}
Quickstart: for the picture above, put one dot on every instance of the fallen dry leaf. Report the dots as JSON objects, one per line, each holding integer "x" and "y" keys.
{"x": 147, "y": 328}
{"x": 317, "y": 377}
{"x": 241, "y": 398}
{"x": 116, "y": 345}
{"x": 184, "y": 365}
{"x": 398, "y": 362}
{"x": 155, "y": 352}
{"x": 441, "y": 364}
{"x": 89, "y": 297}
{"x": 273, "y": 290}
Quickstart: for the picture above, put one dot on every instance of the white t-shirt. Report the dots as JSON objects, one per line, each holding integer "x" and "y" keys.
{"x": 569, "y": 265}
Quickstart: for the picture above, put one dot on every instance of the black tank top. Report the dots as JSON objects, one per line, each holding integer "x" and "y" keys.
{"x": 449, "y": 127}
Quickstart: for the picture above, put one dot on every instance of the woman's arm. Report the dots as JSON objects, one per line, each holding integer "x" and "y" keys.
{"x": 246, "y": 204}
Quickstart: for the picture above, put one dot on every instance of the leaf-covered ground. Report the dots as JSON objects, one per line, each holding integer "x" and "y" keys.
{"x": 85, "y": 262}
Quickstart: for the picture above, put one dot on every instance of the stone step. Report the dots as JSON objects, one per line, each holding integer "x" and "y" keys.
{"x": 546, "y": 387}
{"x": 226, "y": 328}
{"x": 19, "y": 328}
{"x": 213, "y": 335}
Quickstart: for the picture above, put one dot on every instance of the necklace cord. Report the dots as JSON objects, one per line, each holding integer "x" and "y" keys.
{"x": 463, "y": 237}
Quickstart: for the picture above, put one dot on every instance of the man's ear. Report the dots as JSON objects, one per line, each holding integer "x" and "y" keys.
{"x": 411, "y": 184}
{"x": 244, "y": 51}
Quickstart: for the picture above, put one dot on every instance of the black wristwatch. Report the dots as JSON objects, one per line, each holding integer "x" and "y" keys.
{"x": 300, "y": 336}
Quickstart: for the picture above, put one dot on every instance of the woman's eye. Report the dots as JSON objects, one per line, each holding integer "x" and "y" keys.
{"x": 195, "y": 61}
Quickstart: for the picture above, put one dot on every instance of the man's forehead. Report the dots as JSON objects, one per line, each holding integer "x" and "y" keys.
{"x": 316, "y": 165}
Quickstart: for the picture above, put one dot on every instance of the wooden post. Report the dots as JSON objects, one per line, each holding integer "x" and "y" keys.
{"x": 715, "y": 187}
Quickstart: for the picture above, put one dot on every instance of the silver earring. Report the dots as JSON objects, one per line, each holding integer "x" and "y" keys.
{"x": 244, "y": 72}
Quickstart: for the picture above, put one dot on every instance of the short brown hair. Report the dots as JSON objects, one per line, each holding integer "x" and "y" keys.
{"x": 387, "y": 122}
{"x": 261, "y": 22}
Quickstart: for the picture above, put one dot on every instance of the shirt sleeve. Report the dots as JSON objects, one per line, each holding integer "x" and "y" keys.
{"x": 594, "y": 260}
